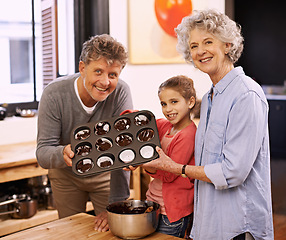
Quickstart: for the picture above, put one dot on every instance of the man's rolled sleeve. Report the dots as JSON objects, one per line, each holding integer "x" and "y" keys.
{"x": 215, "y": 174}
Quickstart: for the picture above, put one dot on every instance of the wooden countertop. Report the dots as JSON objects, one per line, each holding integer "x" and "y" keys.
{"x": 18, "y": 161}
{"x": 79, "y": 226}
{"x": 12, "y": 155}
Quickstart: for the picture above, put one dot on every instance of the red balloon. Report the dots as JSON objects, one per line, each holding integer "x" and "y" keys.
{"x": 169, "y": 13}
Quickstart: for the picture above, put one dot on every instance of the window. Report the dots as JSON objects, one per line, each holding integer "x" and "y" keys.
{"x": 41, "y": 40}
{"x": 16, "y": 47}
{"x": 20, "y": 62}
{"x": 24, "y": 41}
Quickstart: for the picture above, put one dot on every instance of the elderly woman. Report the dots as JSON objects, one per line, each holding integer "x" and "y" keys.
{"x": 232, "y": 172}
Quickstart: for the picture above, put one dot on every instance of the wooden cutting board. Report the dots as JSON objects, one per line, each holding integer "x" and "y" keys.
{"x": 76, "y": 227}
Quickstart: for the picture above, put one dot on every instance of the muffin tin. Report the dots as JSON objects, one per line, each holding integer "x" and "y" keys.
{"x": 114, "y": 143}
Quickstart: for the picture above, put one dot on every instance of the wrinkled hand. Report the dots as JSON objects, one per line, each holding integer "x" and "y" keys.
{"x": 164, "y": 162}
{"x": 100, "y": 222}
{"x": 68, "y": 155}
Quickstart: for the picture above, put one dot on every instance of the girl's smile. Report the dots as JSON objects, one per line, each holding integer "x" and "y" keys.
{"x": 176, "y": 108}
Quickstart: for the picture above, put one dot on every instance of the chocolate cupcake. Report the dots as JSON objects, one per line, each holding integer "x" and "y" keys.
{"x": 104, "y": 162}
{"x": 141, "y": 120}
{"x": 83, "y": 149}
{"x": 123, "y": 140}
{"x": 103, "y": 144}
{"x": 82, "y": 134}
{"x": 127, "y": 156}
{"x": 122, "y": 124}
{"x": 145, "y": 135}
{"x": 102, "y": 128}
{"x": 84, "y": 165}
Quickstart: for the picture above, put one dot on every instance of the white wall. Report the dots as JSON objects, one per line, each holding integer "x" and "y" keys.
{"x": 144, "y": 80}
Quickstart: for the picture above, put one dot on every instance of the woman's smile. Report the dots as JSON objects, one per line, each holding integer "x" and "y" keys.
{"x": 205, "y": 59}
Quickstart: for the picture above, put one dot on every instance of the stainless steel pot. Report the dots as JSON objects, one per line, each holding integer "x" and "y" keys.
{"x": 132, "y": 219}
{"x": 39, "y": 181}
{"x": 20, "y": 206}
{"x": 48, "y": 198}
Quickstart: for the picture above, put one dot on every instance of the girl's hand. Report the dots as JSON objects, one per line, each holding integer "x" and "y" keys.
{"x": 130, "y": 168}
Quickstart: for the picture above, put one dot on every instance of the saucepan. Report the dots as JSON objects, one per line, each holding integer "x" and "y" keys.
{"x": 133, "y": 219}
{"x": 48, "y": 198}
{"x": 20, "y": 206}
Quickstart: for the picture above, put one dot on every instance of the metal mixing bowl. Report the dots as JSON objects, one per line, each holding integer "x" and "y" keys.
{"x": 132, "y": 219}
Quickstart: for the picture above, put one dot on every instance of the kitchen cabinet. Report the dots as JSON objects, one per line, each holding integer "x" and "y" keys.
{"x": 18, "y": 161}
{"x": 277, "y": 127}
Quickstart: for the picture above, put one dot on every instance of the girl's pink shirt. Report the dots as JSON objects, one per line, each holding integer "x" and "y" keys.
{"x": 154, "y": 192}
{"x": 177, "y": 192}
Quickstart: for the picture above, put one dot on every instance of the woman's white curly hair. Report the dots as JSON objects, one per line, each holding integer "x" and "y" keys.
{"x": 214, "y": 22}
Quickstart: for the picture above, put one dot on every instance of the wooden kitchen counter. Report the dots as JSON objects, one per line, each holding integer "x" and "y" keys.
{"x": 79, "y": 226}
{"x": 18, "y": 161}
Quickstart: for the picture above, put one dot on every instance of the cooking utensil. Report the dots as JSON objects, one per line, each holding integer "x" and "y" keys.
{"x": 25, "y": 112}
{"x": 48, "y": 198}
{"x": 3, "y": 113}
{"x": 114, "y": 143}
{"x": 20, "y": 206}
{"x": 133, "y": 219}
{"x": 38, "y": 181}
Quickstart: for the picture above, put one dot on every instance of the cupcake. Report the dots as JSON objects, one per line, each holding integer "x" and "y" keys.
{"x": 103, "y": 144}
{"x": 84, "y": 165}
{"x": 122, "y": 124}
{"x": 82, "y": 134}
{"x": 104, "y": 162}
{"x": 123, "y": 140}
{"x": 141, "y": 120}
{"x": 83, "y": 150}
{"x": 145, "y": 135}
{"x": 102, "y": 128}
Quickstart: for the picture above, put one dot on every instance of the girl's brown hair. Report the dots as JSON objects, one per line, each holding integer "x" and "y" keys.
{"x": 182, "y": 84}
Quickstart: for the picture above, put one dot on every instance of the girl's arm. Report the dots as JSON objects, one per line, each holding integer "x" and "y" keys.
{"x": 180, "y": 150}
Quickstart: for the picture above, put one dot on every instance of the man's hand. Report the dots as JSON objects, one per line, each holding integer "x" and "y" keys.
{"x": 100, "y": 222}
{"x": 68, "y": 155}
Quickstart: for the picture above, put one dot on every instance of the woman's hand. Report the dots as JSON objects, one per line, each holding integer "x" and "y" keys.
{"x": 164, "y": 163}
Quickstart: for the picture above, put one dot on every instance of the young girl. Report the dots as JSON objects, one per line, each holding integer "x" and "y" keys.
{"x": 175, "y": 193}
